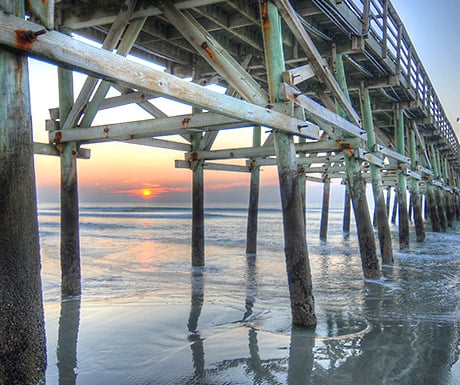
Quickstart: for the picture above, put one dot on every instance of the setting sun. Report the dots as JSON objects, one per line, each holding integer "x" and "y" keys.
{"x": 146, "y": 193}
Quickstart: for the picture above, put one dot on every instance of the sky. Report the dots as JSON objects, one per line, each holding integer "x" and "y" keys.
{"x": 119, "y": 172}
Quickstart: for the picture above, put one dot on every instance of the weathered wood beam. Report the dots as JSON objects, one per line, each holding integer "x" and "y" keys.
{"x": 160, "y": 143}
{"x": 321, "y": 115}
{"x": 401, "y": 158}
{"x": 298, "y": 75}
{"x": 214, "y": 166}
{"x": 251, "y": 152}
{"x": 300, "y": 161}
{"x": 124, "y": 99}
{"x": 205, "y": 121}
{"x": 49, "y": 149}
{"x": 63, "y": 50}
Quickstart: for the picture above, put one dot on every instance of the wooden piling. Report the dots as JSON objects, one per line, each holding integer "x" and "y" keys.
{"x": 296, "y": 253}
{"x": 22, "y": 334}
{"x": 253, "y": 210}
{"x": 70, "y": 227}
{"x": 325, "y": 208}
{"x": 414, "y": 188}
{"x": 388, "y": 201}
{"x": 384, "y": 234}
{"x": 438, "y": 193}
{"x": 395, "y": 207}
{"x": 357, "y": 189}
{"x": 403, "y": 223}
{"x": 432, "y": 208}
{"x": 346, "y": 212}
{"x": 197, "y": 207}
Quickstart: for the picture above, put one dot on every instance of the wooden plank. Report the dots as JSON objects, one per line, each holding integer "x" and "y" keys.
{"x": 298, "y": 75}
{"x": 322, "y": 115}
{"x": 63, "y": 50}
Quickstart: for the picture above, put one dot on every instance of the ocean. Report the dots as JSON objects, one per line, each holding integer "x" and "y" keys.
{"x": 146, "y": 317}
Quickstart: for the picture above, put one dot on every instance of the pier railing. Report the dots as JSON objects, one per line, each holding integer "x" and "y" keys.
{"x": 390, "y": 40}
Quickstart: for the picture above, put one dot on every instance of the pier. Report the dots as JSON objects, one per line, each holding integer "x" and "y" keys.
{"x": 329, "y": 90}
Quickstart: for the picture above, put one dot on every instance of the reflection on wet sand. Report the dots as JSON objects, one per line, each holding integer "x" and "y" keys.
{"x": 69, "y": 322}
{"x": 196, "y": 341}
{"x": 384, "y": 349}
{"x": 401, "y": 334}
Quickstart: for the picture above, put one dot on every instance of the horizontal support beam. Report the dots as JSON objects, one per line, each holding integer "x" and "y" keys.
{"x": 254, "y": 152}
{"x": 63, "y": 50}
{"x": 300, "y": 161}
{"x": 124, "y": 99}
{"x": 321, "y": 115}
{"x": 413, "y": 174}
{"x": 370, "y": 157}
{"x": 425, "y": 171}
{"x": 214, "y": 166}
{"x": 392, "y": 154}
{"x": 49, "y": 149}
{"x": 160, "y": 143}
{"x": 182, "y": 124}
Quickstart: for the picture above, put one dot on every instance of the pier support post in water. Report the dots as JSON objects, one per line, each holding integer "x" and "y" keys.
{"x": 432, "y": 208}
{"x": 357, "y": 189}
{"x": 403, "y": 223}
{"x": 197, "y": 206}
{"x": 346, "y": 211}
{"x": 253, "y": 210}
{"x": 438, "y": 193}
{"x": 386, "y": 248}
{"x": 297, "y": 263}
{"x": 325, "y": 208}
{"x": 70, "y": 228}
{"x": 415, "y": 191}
{"x": 22, "y": 334}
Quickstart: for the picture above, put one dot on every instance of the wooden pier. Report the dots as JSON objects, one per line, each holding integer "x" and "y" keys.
{"x": 337, "y": 84}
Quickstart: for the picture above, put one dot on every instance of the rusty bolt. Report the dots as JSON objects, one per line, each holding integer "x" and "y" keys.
{"x": 57, "y": 137}
{"x": 32, "y": 35}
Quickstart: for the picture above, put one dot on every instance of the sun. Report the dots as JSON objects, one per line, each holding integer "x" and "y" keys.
{"x": 146, "y": 193}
